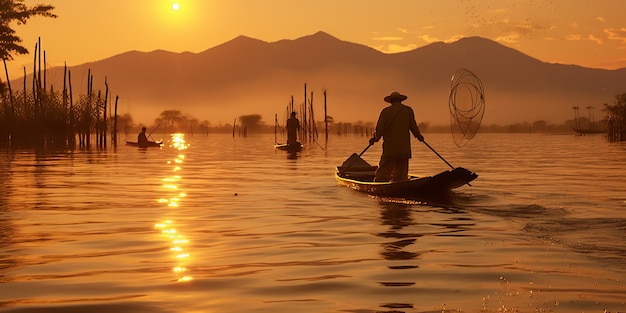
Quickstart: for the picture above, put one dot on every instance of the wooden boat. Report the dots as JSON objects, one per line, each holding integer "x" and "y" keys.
{"x": 589, "y": 131}
{"x": 359, "y": 175}
{"x": 150, "y": 144}
{"x": 289, "y": 148}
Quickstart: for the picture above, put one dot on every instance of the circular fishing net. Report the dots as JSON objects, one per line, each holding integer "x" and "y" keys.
{"x": 467, "y": 106}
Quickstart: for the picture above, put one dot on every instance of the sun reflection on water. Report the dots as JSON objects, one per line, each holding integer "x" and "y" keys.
{"x": 168, "y": 230}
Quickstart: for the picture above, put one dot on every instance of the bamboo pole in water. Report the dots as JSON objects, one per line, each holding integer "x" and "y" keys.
{"x": 24, "y": 93}
{"x": 87, "y": 123}
{"x": 39, "y": 61}
{"x": 304, "y": 124}
{"x": 97, "y": 123}
{"x": 114, "y": 135}
{"x": 72, "y": 113}
{"x": 325, "y": 122}
{"x": 45, "y": 70}
{"x": 312, "y": 134}
{"x": 275, "y": 126}
{"x": 106, "y": 101}
{"x": 67, "y": 112}
{"x": 11, "y": 111}
{"x": 41, "y": 117}
{"x": 37, "y": 122}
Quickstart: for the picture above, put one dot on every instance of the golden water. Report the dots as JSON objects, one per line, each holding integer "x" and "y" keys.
{"x": 221, "y": 224}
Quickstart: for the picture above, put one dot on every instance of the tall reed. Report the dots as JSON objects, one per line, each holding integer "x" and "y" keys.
{"x": 44, "y": 117}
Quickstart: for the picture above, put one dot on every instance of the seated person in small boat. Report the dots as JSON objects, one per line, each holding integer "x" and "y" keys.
{"x": 293, "y": 125}
{"x": 394, "y": 124}
{"x": 142, "y": 140}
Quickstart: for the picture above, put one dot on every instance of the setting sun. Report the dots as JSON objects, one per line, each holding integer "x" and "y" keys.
{"x": 175, "y": 6}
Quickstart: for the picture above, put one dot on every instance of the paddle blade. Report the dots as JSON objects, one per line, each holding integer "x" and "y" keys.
{"x": 355, "y": 164}
{"x": 355, "y": 161}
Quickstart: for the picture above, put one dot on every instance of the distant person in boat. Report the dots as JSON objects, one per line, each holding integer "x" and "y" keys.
{"x": 142, "y": 140}
{"x": 293, "y": 125}
{"x": 394, "y": 124}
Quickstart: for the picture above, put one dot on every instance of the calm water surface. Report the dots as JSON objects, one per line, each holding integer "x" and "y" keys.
{"x": 221, "y": 224}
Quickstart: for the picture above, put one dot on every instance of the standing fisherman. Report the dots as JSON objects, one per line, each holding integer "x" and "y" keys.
{"x": 293, "y": 125}
{"x": 394, "y": 124}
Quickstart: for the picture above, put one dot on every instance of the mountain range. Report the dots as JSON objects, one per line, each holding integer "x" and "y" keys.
{"x": 248, "y": 76}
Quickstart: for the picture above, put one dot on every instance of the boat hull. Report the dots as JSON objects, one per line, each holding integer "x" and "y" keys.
{"x": 414, "y": 187}
{"x": 289, "y": 148}
{"x": 589, "y": 131}
{"x": 150, "y": 144}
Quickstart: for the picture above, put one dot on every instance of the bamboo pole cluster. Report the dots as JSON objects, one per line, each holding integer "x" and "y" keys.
{"x": 306, "y": 115}
{"x": 44, "y": 117}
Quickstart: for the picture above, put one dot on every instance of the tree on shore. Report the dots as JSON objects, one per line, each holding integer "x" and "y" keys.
{"x": 173, "y": 120}
{"x": 251, "y": 121}
{"x": 16, "y": 11}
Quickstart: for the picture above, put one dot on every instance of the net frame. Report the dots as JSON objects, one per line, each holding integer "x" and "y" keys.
{"x": 466, "y": 104}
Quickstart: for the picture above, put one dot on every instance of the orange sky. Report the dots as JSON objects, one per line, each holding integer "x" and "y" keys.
{"x": 590, "y": 33}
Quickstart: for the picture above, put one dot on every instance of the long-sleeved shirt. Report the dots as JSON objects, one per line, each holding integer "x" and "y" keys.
{"x": 293, "y": 124}
{"x": 394, "y": 124}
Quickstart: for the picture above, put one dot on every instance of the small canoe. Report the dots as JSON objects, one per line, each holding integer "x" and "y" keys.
{"x": 289, "y": 148}
{"x": 359, "y": 176}
{"x": 150, "y": 144}
{"x": 581, "y": 131}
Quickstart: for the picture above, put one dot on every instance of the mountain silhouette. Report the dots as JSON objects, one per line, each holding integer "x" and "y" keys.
{"x": 250, "y": 76}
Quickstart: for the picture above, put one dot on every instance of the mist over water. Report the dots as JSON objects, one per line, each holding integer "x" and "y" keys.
{"x": 222, "y": 224}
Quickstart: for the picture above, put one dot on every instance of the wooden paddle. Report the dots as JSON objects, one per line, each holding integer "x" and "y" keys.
{"x": 150, "y": 134}
{"x": 433, "y": 150}
{"x": 368, "y": 146}
{"x": 439, "y": 155}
